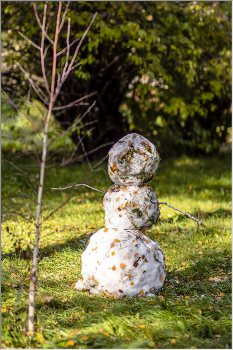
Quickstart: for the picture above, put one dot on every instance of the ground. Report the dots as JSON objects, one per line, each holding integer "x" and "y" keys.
{"x": 192, "y": 311}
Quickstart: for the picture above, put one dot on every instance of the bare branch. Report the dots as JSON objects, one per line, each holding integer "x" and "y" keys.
{"x": 183, "y": 212}
{"x": 81, "y": 41}
{"x": 76, "y": 53}
{"x": 38, "y": 91}
{"x": 100, "y": 162}
{"x": 85, "y": 153}
{"x": 74, "y": 125}
{"x": 79, "y": 157}
{"x": 68, "y": 47}
{"x": 80, "y": 140}
{"x": 38, "y": 21}
{"x": 68, "y": 161}
{"x": 64, "y": 50}
{"x": 65, "y": 188}
{"x": 58, "y": 208}
{"x": 72, "y": 104}
{"x": 19, "y": 111}
{"x": 15, "y": 166}
{"x": 64, "y": 16}
{"x": 76, "y": 65}
{"x": 31, "y": 42}
{"x": 42, "y": 51}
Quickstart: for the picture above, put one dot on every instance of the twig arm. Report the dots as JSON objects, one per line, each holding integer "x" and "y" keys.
{"x": 65, "y": 188}
{"x": 183, "y": 212}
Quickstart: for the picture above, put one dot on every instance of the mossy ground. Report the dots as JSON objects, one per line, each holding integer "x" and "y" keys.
{"x": 192, "y": 311}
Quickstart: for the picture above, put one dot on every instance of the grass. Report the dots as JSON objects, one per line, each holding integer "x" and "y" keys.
{"x": 192, "y": 311}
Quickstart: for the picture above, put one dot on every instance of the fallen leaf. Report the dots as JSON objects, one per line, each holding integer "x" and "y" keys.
{"x": 14, "y": 275}
{"x": 40, "y": 337}
{"x": 114, "y": 167}
{"x": 161, "y": 278}
{"x": 122, "y": 266}
{"x": 47, "y": 298}
{"x": 69, "y": 343}
{"x": 115, "y": 295}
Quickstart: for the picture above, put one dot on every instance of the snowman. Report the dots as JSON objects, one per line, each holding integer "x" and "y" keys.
{"x": 120, "y": 260}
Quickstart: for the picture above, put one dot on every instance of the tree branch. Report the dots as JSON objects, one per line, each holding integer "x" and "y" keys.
{"x": 64, "y": 16}
{"x": 20, "y": 111}
{"x": 75, "y": 55}
{"x": 72, "y": 104}
{"x": 38, "y": 21}
{"x": 38, "y": 91}
{"x": 42, "y": 56}
{"x": 64, "y": 50}
{"x": 31, "y": 42}
{"x": 74, "y": 125}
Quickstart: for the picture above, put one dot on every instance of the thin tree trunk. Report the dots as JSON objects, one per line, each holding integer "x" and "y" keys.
{"x": 33, "y": 277}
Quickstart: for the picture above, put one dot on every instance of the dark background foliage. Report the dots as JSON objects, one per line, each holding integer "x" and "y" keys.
{"x": 159, "y": 68}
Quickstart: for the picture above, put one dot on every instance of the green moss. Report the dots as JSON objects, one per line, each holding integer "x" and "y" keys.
{"x": 148, "y": 148}
{"x": 128, "y": 155}
{"x": 149, "y": 178}
{"x": 138, "y": 212}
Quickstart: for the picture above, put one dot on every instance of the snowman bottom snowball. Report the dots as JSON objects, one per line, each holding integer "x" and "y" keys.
{"x": 122, "y": 263}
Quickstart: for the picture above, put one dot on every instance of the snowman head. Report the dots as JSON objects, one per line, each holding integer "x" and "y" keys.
{"x": 133, "y": 160}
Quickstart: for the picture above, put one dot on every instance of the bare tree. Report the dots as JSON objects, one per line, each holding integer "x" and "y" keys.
{"x": 48, "y": 94}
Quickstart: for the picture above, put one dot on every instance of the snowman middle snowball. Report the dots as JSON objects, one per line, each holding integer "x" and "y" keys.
{"x": 120, "y": 259}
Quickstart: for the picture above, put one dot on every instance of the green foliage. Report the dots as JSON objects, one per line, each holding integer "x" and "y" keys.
{"x": 192, "y": 310}
{"x": 163, "y": 66}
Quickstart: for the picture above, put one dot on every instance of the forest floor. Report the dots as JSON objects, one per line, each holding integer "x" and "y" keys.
{"x": 193, "y": 310}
